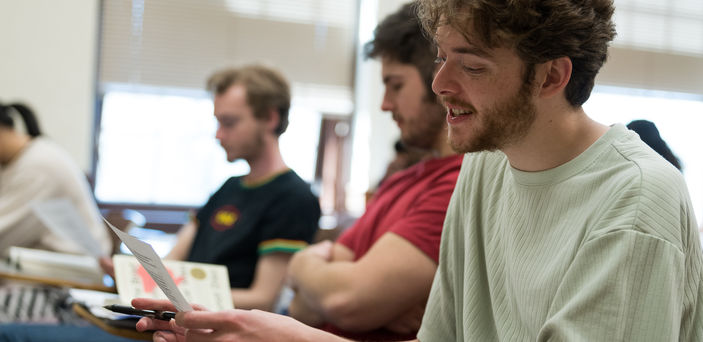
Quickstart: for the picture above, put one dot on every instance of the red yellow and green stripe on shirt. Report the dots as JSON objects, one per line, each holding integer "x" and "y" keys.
{"x": 281, "y": 245}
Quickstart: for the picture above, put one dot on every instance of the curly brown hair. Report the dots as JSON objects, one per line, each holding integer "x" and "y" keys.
{"x": 266, "y": 89}
{"x": 539, "y": 30}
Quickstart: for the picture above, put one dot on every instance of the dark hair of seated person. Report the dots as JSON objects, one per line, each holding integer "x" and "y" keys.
{"x": 30, "y": 120}
{"x": 649, "y": 133}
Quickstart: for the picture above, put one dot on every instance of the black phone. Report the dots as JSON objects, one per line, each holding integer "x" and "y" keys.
{"x": 128, "y": 310}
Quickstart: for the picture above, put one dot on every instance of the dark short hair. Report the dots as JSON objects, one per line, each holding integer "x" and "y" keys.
{"x": 539, "y": 30}
{"x": 400, "y": 38}
{"x": 30, "y": 120}
{"x": 266, "y": 89}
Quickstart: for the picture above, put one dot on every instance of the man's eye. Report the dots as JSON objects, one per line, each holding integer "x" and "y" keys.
{"x": 227, "y": 123}
{"x": 472, "y": 70}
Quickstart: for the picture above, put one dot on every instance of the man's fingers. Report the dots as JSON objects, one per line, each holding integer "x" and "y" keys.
{"x": 207, "y": 320}
{"x": 160, "y": 304}
{"x": 153, "y": 304}
{"x": 179, "y": 330}
{"x": 146, "y": 324}
{"x": 164, "y": 336}
{"x": 199, "y": 335}
{"x": 198, "y": 307}
{"x": 322, "y": 249}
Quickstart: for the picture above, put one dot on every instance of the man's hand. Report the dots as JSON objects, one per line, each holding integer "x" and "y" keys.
{"x": 248, "y": 326}
{"x": 165, "y": 331}
{"x": 227, "y": 325}
{"x": 372, "y": 292}
{"x": 321, "y": 250}
{"x": 299, "y": 310}
{"x": 327, "y": 252}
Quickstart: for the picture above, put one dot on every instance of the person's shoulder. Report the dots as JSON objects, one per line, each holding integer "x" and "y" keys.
{"x": 291, "y": 191}
{"x": 650, "y": 195}
{"x": 439, "y": 168}
{"x": 292, "y": 185}
{"x": 647, "y": 167}
{"x": 42, "y": 150}
{"x": 452, "y": 163}
{"x": 291, "y": 177}
{"x": 230, "y": 184}
{"x": 233, "y": 181}
{"x": 228, "y": 189}
{"x": 44, "y": 155}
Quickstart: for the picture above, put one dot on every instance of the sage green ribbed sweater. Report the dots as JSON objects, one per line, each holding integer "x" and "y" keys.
{"x": 602, "y": 248}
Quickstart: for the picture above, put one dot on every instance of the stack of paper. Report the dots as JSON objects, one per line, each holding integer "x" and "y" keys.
{"x": 78, "y": 268}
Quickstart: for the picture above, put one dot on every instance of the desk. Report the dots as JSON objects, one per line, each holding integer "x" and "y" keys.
{"x": 80, "y": 310}
{"x": 9, "y": 274}
{"x": 104, "y": 325}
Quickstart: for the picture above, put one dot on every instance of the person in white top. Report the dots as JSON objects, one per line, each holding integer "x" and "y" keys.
{"x": 33, "y": 169}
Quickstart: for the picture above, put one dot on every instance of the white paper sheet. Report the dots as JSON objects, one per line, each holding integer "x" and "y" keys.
{"x": 151, "y": 262}
{"x": 62, "y": 218}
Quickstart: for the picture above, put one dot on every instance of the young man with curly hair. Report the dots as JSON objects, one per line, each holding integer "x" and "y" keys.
{"x": 559, "y": 228}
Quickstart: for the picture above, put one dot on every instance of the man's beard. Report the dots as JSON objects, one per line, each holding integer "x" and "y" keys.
{"x": 251, "y": 149}
{"x": 425, "y": 134}
{"x": 498, "y": 126}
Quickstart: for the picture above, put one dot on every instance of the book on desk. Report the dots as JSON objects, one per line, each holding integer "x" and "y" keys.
{"x": 204, "y": 284}
{"x": 76, "y": 282}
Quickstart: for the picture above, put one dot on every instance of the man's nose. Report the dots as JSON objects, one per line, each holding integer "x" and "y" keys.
{"x": 387, "y": 105}
{"x": 444, "y": 83}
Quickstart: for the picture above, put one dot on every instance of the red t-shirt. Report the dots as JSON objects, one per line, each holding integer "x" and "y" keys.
{"x": 412, "y": 204}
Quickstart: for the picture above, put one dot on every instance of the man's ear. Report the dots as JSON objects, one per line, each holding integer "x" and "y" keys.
{"x": 557, "y": 74}
{"x": 274, "y": 119}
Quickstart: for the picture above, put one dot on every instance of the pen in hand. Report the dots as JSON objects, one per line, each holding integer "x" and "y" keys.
{"x": 128, "y": 310}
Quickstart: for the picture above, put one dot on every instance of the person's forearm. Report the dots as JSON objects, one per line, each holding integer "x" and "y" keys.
{"x": 249, "y": 299}
{"x": 300, "y": 310}
{"x": 317, "y": 279}
{"x": 333, "y": 290}
{"x": 318, "y": 276}
{"x": 323, "y": 336}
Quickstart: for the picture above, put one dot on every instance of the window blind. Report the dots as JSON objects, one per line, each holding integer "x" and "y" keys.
{"x": 659, "y": 46}
{"x": 672, "y": 26}
{"x": 178, "y": 43}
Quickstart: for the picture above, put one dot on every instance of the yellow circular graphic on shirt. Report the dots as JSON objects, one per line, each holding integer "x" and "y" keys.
{"x": 197, "y": 273}
{"x": 226, "y": 218}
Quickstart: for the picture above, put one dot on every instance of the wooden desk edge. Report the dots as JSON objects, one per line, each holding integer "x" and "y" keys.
{"x": 55, "y": 281}
{"x": 128, "y": 333}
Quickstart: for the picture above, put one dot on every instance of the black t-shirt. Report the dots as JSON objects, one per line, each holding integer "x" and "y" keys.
{"x": 240, "y": 223}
